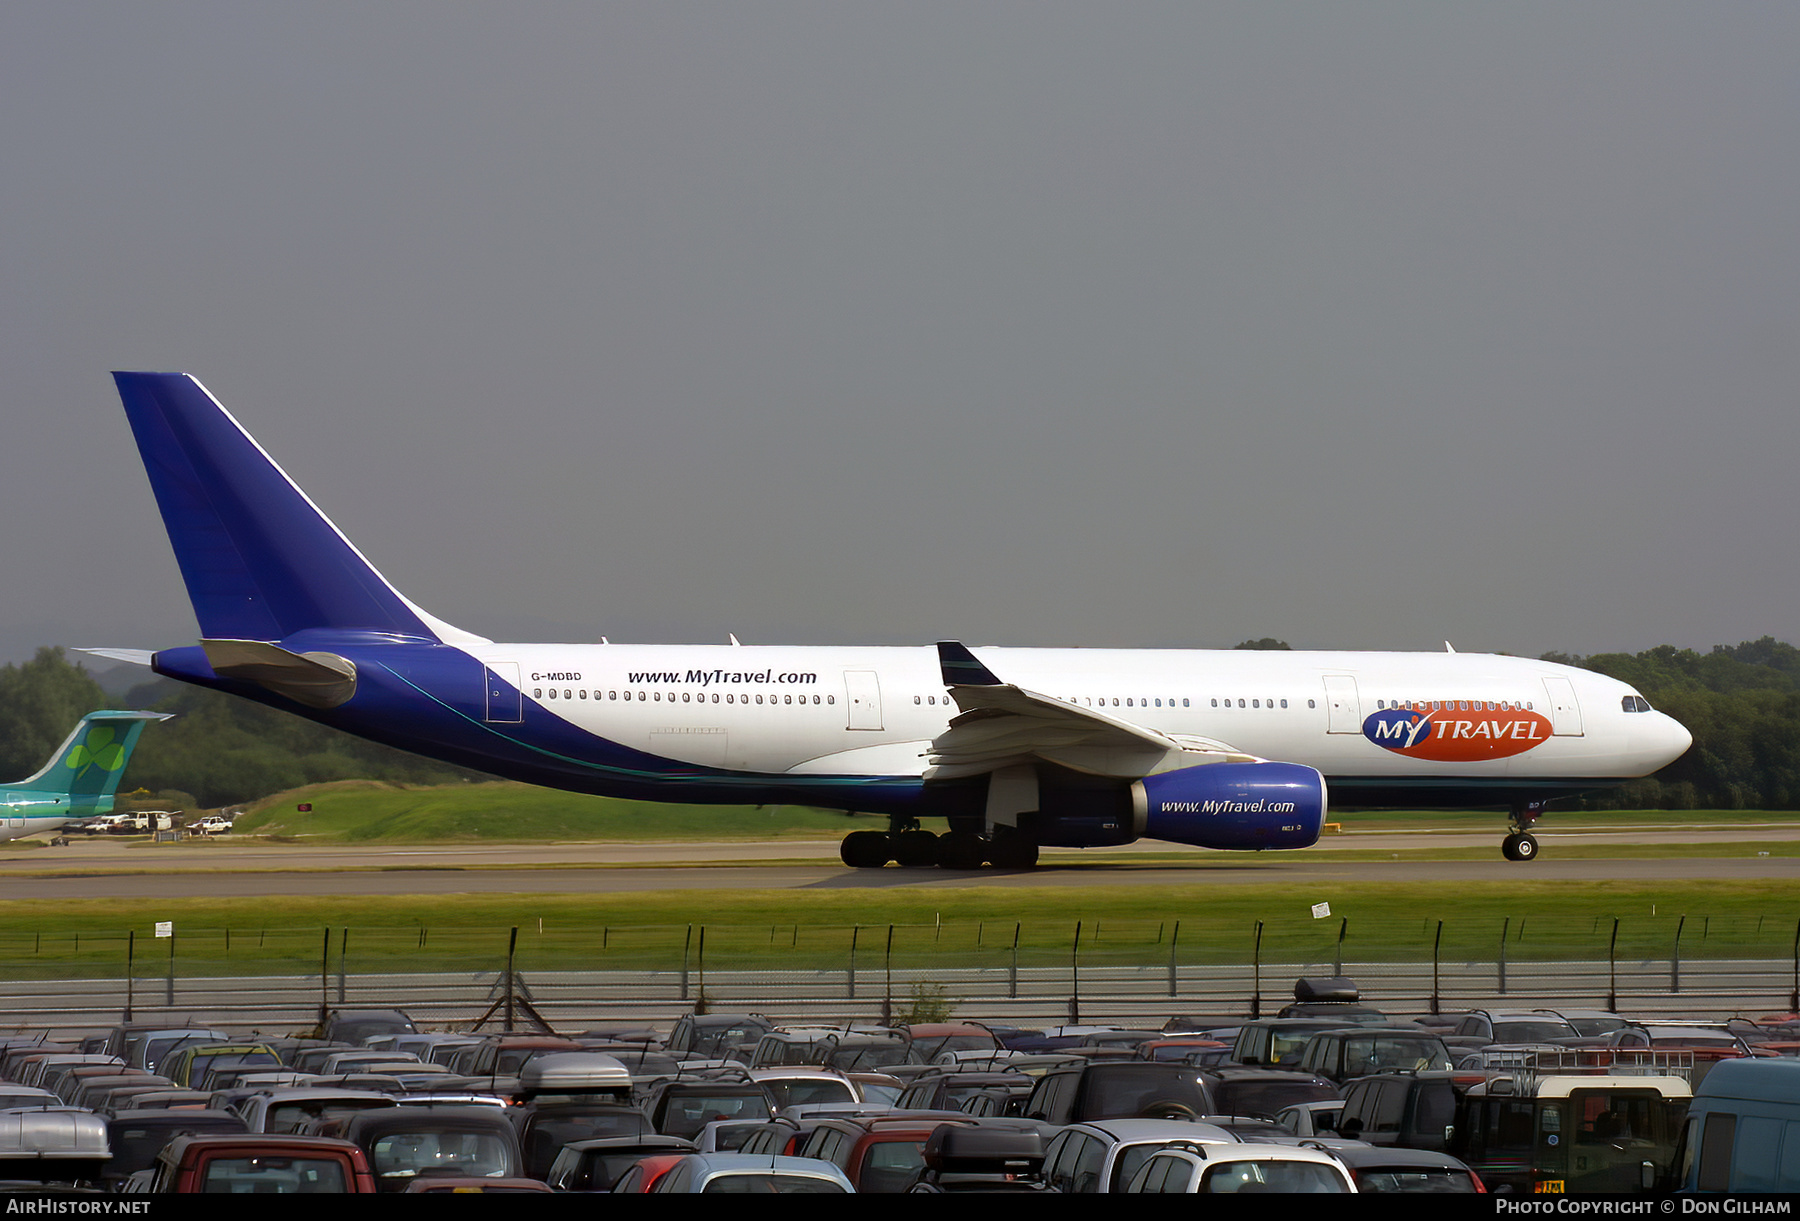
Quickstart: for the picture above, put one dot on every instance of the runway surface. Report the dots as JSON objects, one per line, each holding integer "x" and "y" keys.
{"x": 100, "y": 869}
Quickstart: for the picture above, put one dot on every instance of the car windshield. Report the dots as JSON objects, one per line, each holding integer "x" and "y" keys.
{"x": 1383, "y": 1052}
{"x": 1416, "y": 1181}
{"x": 406, "y": 1154}
{"x": 280, "y": 1176}
{"x": 1288, "y": 1178}
{"x": 762, "y": 1184}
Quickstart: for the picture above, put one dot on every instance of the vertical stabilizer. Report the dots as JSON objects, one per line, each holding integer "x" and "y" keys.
{"x": 260, "y": 560}
{"x": 90, "y": 761}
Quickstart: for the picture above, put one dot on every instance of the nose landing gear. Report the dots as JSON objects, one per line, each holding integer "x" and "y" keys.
{"x": 1522, "y": 845}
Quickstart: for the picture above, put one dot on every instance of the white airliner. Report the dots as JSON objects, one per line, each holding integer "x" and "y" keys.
{"x": 1015, "y": 748}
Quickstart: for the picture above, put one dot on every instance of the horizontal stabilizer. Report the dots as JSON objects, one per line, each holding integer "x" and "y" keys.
{"x": 318, "y": 680}
{"x": 137, "y": 657}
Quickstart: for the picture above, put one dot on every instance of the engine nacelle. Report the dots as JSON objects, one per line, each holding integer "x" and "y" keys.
{"x": 1232, "y": 805}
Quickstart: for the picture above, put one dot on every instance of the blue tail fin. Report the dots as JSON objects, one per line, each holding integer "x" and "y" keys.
{"x": 260, "y": 561}
{"x": 88, "y": 764}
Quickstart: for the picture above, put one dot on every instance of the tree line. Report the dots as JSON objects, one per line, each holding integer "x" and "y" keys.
{"x": 1741, "y": 702}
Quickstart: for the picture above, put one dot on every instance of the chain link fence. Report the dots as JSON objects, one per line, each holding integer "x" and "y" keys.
{"x": 1136, "y": 972}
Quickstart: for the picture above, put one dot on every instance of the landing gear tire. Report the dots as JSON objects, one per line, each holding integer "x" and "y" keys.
{"x": 962, "y": 850}
{"x": 1519, "y": 847}
{"x": 866, "y": 850}
{"x": 1014, "y": 851}
{"x": 916, "y": 849}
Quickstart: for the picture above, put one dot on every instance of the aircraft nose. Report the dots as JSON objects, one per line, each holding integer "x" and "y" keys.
{"x": 1667, "y": 737}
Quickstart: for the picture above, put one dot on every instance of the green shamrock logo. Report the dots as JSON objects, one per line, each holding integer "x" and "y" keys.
{"x": 96, "y": 750}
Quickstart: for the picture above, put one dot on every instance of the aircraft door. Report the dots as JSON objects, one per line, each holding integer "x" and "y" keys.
{"x": 862, "y": 692}
{"x": 504, "y": 698}
{"x": 1565, "y": 713}
{"x": 1344, "y": 704}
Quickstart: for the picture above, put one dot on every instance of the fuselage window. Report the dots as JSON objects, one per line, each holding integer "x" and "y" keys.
{"x": 553, "y": 693}
{"x": 1284, "y": 703}
{"x": 1256, "y": 703}
{"x": 1240, "y": 703}
{"x": 1215, "y": 703}
{"x": 831, "y": 699}
{"x": 1312, "y": 703}
{"x": 759, "y": 699}
{"x": 537, "y": 693}
{"x": 918, "y": 699}
{"x": 1184, "y": 703}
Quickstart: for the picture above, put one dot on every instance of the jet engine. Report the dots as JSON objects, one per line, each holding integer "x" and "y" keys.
{"x": 1232, "y": 805}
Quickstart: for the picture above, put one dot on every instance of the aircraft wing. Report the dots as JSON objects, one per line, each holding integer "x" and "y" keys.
{"x": 1004, "y": 725}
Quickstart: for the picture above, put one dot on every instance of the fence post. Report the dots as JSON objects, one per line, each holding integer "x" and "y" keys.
{"x": 1612, "y": 969}
{"x": 1075, "y": 977}
{"x": 1256, "y": 974}
{"x": 850, "y": 979}
{"x": 343, "y": 954}
{"x": 1174, "y": 937}
{"x": 130, "y": 954}
{"x": 1675, "y": 958}
{"x": 1505, "y": 927}
{"x": 325, "y": 978}
{"x": 1794, "y": 996}
{"x": 887, "y": 988}
{"x": 1437, "y": 942}
{"x": 169, "y": 983}
{"x": 1012, "y": 972}
{"x": 687, "y": 947}
{"x": 1337, "y": 964}
{"x": 506, "y": 994}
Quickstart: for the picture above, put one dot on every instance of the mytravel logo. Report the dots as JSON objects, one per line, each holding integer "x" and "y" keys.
{"x": 1448, "y": 735}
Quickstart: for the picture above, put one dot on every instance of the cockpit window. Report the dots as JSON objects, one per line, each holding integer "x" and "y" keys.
{"x": 1635, "y": 703}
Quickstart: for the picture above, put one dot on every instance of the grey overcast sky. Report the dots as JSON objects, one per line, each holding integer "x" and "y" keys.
{"x": 1360, "y": 325}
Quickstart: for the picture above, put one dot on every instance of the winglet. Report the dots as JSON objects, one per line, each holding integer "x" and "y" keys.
{"x": 960, "y": 669}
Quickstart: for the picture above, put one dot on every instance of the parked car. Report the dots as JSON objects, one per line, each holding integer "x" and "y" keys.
{"x": 1100, "y": 1157}
{"x": 261, "y": 1164}
{"x": 406, "y": 1141}
{"x": 1211, "y": 1170}
{"x": 1739, "y": 1114}
{"x": 741, "y": 1174}
{"x": 1568, "y": 1134}
{"x": 1384, "y": 1171}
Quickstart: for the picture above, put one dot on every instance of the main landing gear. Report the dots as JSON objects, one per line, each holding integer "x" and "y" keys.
{"x": 1522, "y": 845}
{"x": 910, "y": 847}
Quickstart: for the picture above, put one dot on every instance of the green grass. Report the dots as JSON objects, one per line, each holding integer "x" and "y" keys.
{"x": 963, "y": 925}
{"x": 811, "y": 927}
